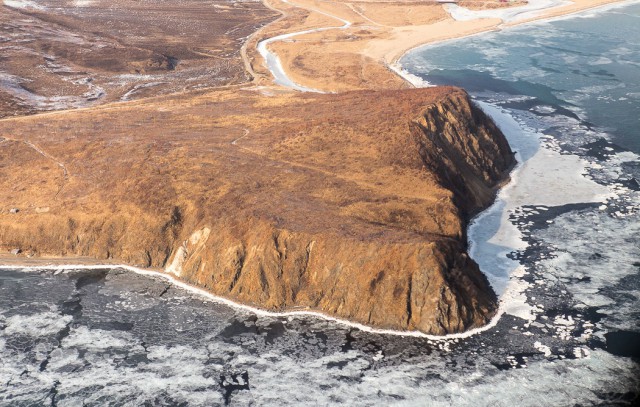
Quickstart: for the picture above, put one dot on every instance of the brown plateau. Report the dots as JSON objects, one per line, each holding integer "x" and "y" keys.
{"x": 351, "y": 204}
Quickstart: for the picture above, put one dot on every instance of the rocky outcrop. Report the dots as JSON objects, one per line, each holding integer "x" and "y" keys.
{"x": 354, "y": 205}
{"x": 432, "y": 287}
{"x": 465, "y": 149}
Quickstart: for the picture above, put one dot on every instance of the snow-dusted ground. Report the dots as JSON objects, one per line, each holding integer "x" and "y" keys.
{"x": 22, "y": 4}
{"x": 532, "y": 9}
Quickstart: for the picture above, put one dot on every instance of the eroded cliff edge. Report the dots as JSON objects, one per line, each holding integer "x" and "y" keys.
{"x": 353, "y": 204}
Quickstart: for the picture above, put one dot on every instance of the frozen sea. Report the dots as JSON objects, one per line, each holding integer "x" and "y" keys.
{"x": 561, "y": 246}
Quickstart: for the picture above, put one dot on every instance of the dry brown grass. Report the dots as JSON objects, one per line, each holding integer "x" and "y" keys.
{"x": 64, "y": 56}
{"x": 348, "y": 177}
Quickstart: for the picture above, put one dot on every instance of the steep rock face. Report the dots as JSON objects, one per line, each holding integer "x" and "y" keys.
{"x": 354, "y": 205}
{"x": 463, "y": 147}
{"x": 432, "y": 287}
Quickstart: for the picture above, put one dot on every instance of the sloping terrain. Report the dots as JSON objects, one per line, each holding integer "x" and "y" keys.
{"x": 352, "y": 204}
{"x": 62, "y": 54}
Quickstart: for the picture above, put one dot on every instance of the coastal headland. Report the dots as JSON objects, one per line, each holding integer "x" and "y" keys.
{"x": 351, "y": 199}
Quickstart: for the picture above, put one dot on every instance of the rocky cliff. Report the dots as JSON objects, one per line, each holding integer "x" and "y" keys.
{"x": 354, "y": 204}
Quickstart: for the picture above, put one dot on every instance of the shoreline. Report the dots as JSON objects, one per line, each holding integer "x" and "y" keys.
{"x": 509, "y": 291}
{"x": 552, "y": 15}
{"x": 62, "y": 265}
{"x": 383, "y": 45}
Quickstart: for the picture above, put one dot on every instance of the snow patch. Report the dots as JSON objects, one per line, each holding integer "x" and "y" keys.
{"x": 23, "y": 4}
{"x": 532, "y": 9}
{"x": 542, "y": 348}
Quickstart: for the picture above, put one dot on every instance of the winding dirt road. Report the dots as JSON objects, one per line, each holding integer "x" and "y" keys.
{"x": 272, "y": 60}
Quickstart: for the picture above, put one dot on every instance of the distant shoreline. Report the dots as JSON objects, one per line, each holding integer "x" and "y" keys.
{"x": 385, "y": 44}
{"x": 602, "y": 5}
{"x": 398, "y": 69}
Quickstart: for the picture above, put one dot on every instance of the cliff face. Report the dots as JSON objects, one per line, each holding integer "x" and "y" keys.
{"x": 465, "y": 149}
{"x": 430, "y": 286}
{"x": 354, "y": 204}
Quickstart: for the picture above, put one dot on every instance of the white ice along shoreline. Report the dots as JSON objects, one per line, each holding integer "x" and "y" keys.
{"x": 541, "y": 178}
{"x": 419, "y": 82}
{"x": 257, "y": 311}
{"x": 532, "y": 9}
{"x": 273, "y": 62}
